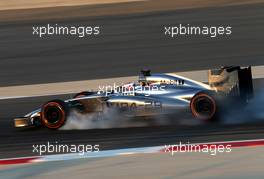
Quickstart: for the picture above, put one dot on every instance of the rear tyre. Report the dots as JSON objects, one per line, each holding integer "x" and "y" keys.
{"x": 204, "y": 107}
{"x": 54, "y": 114}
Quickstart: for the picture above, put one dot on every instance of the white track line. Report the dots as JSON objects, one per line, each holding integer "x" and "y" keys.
{"x": 118, "y": 152}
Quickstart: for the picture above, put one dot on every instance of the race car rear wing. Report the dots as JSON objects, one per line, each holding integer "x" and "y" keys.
{"x": 234, "y": 81}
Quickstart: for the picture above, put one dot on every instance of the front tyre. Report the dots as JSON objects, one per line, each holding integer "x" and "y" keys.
{"x": 54, "y": 114}
{"x": 204, "y": 107}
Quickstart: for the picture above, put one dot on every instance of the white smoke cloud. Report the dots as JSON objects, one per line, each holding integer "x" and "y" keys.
{"x": 107, "y": 119}
{"x": 253, "y": 112}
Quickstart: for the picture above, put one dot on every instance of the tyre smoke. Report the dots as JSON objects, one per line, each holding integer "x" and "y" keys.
{"x": 109, "y": 118}
{"x": 252, "y": 112}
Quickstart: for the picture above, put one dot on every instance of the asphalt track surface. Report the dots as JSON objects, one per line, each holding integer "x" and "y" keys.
{"x": 129, "y": 43}
{"x": 18, "y": 142}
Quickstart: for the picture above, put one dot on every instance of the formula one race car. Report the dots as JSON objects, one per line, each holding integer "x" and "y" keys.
{"x": 152, "y": 95}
